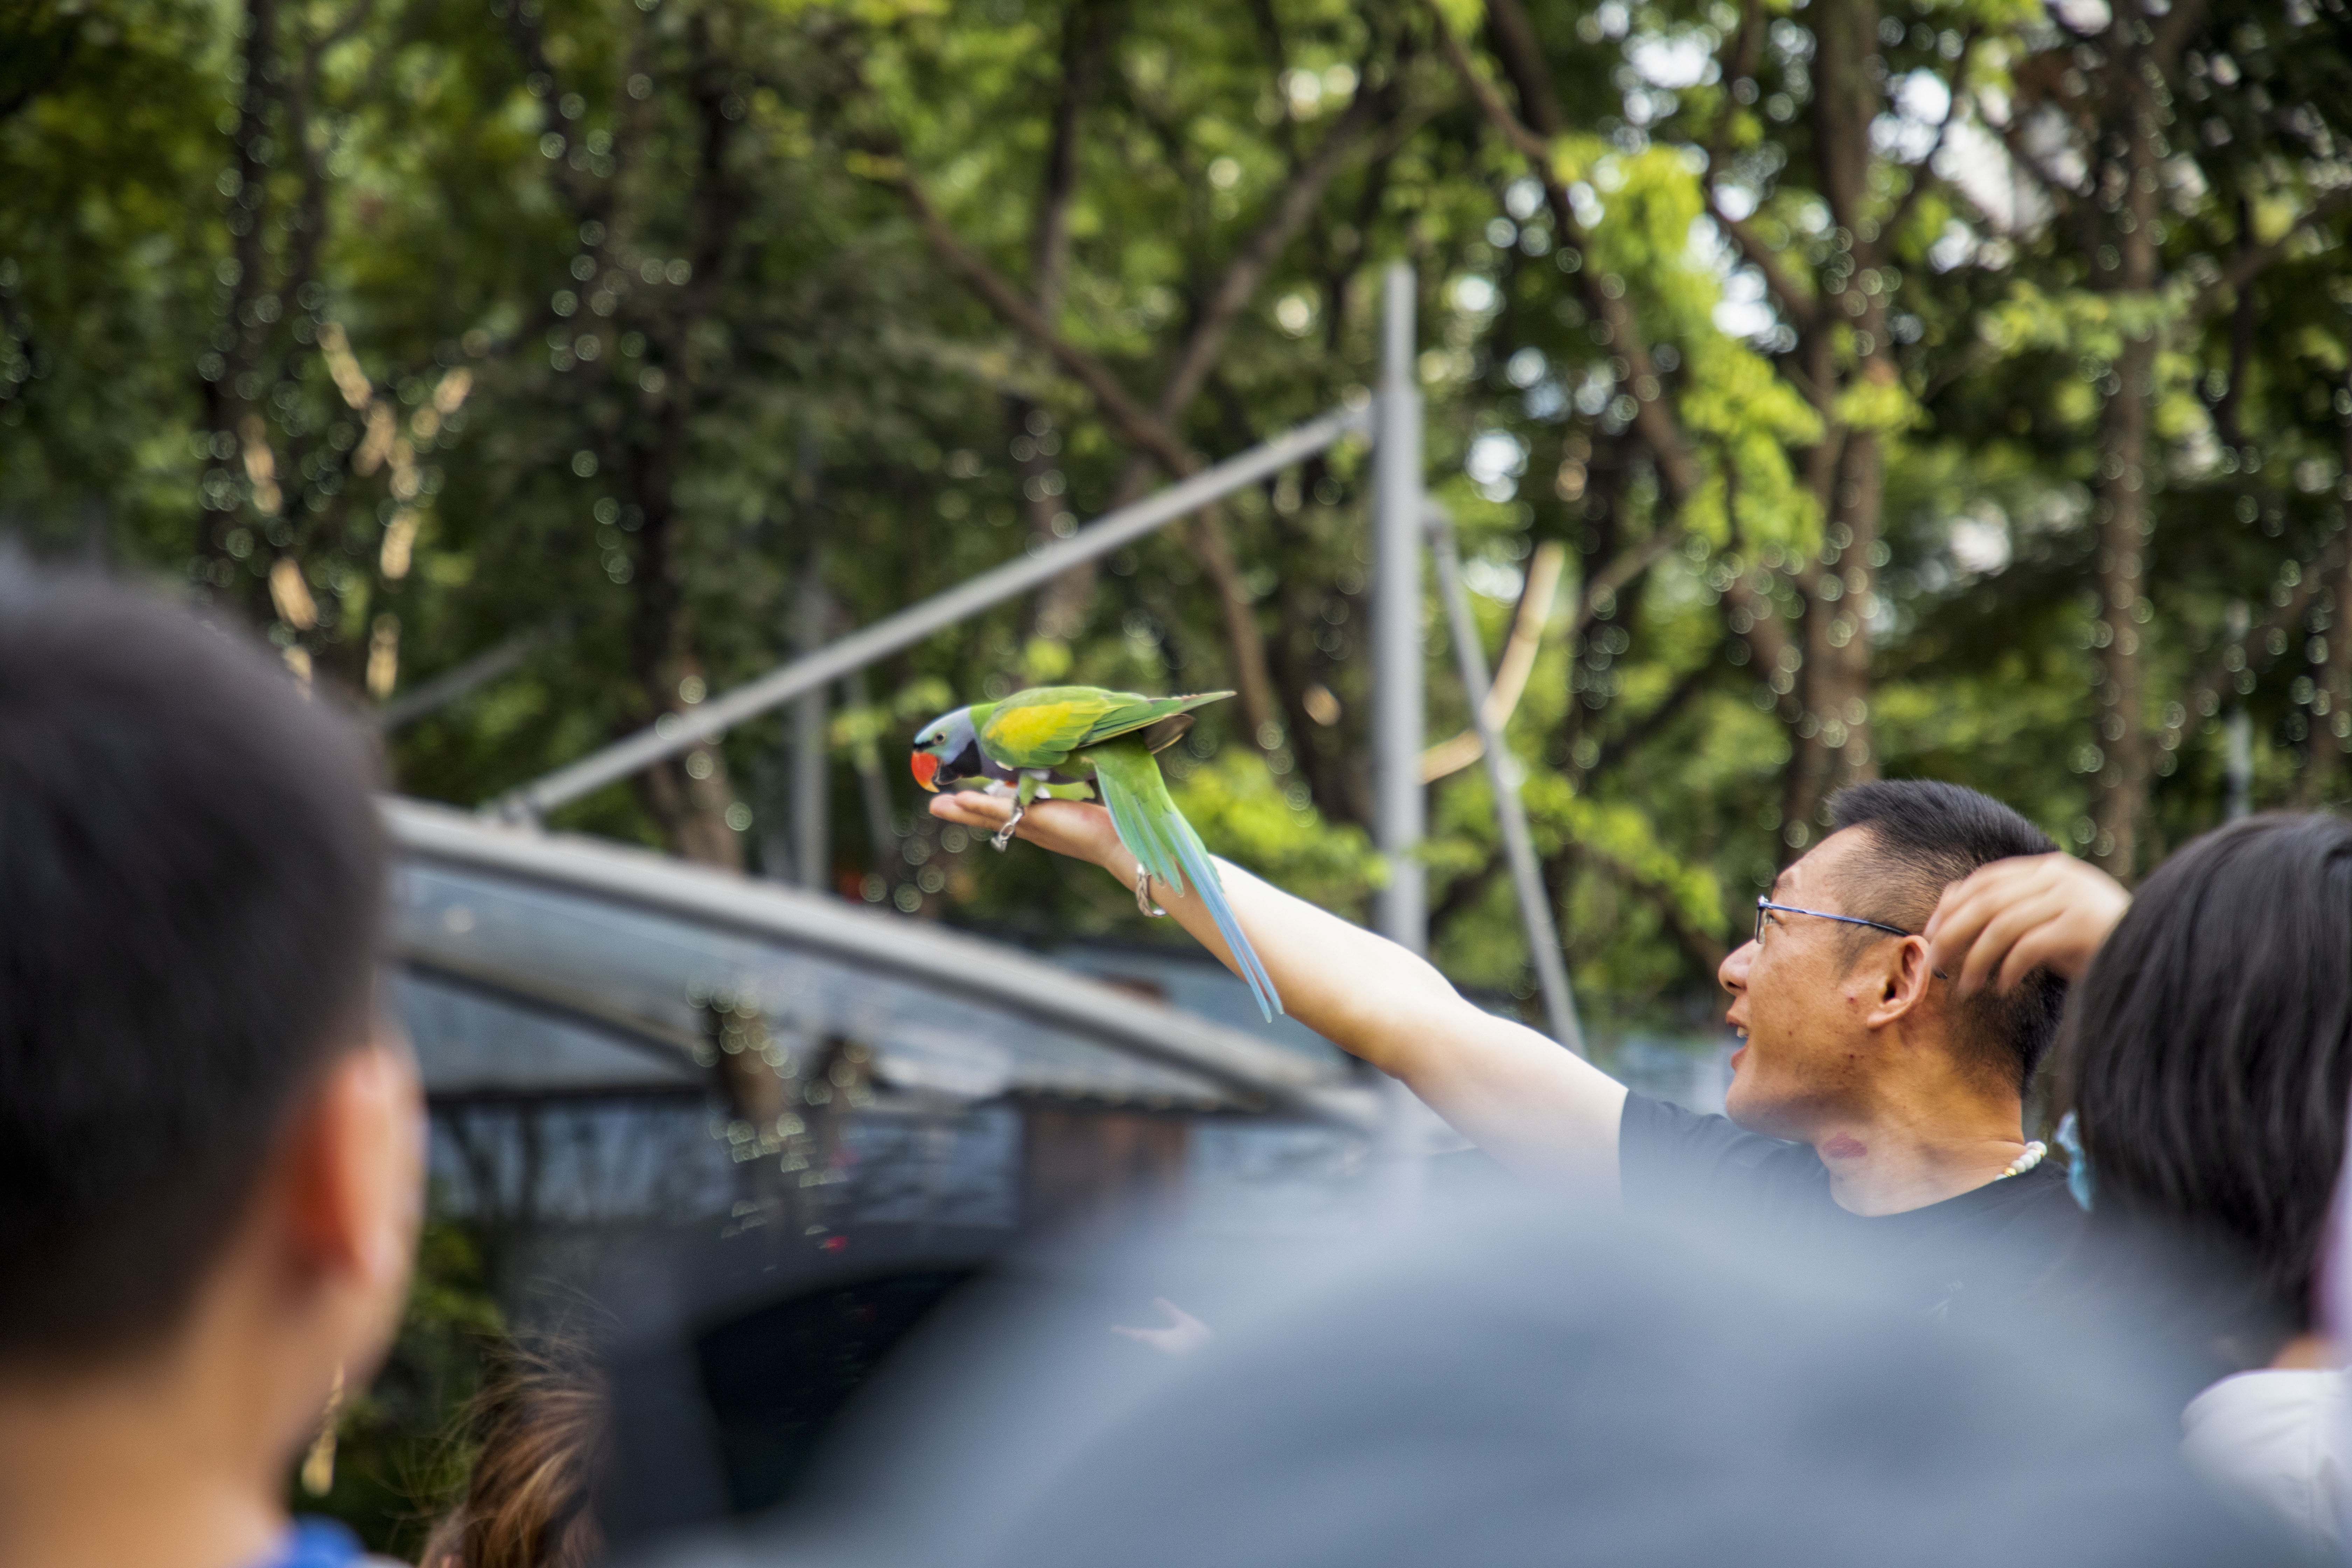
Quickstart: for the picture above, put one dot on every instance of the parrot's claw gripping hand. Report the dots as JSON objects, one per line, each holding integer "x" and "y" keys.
{"x": 1003, "y": 840}
{"x": 1152, "y": 912}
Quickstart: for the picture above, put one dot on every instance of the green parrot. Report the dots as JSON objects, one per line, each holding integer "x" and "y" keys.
{"x": 1038, "y": 743}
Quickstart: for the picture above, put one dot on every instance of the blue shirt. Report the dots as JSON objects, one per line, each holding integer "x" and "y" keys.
{"x": 316, "y": 1543}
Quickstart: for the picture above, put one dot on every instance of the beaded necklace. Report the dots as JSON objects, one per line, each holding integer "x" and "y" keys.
{"x": 2025, "y": 1162}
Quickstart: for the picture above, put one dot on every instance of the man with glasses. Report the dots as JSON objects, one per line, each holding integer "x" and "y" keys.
{"x": 1870, "y": 1095}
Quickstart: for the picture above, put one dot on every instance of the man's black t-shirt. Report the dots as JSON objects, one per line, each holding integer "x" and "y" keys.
{"x": 1982, "y": 1249}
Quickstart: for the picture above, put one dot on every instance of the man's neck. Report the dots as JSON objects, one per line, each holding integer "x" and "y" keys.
{"x": 143, "y": 1467}
{"x": 1905, "y": 1157}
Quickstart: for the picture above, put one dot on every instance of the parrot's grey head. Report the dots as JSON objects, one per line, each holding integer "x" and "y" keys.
{"x": 946, "y": 749}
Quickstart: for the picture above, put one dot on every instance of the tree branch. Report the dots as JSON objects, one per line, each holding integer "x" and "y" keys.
{"x": 2251, "y": 263}
{"x": 1768, "y": 642}
{"x": 1521, "y": 52}
{"x": 1490, "y": 104}
{"x": 1927, "y": 176}
{"x": 1085, "y": 33}
{"x": 1135, "y": 423}
{"x": 1613, "y": 579}
{"x": 2172, "y": 33}
{"x": 2063, "y": 194}
{"x": 20, "y": 48}
{"x": 1206, "y": 342}
{"x": 1678, "y": 476}
{"x": 1746, "y": 46}
{"x": 1638, "y": 733}
{"x": 1800, "y": 307}
{"x": 2202, "y": 696}
{"x": 1702, "y": 946}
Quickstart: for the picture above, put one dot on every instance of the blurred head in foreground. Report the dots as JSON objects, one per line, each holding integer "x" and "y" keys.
{"x": 1522, "y": 1388}
{"x": 541, "y": 1427}
{"x": 2209, "y": 1055}
{"x": 210, "y": 1148}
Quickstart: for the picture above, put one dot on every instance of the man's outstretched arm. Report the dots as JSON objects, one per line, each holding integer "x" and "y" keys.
{"x": 1540, "y": 1109}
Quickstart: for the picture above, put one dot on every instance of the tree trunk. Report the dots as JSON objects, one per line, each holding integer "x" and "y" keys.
{"x": 1830, "y": 746}
{"x": 689, "y": 796}
{"x": 2126, "y": 475}
{"x": 2123, "y": 779}
{"x": 2325, "y": 756}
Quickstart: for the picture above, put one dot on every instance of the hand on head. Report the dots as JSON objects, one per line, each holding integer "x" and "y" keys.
{"x": 2008, "y": 919}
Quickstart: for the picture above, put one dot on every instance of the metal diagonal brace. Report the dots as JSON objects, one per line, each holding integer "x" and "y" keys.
{"x": 676, "y": 732}
{"x": 1518, "y": 845}
{"x": 472, "y": 675}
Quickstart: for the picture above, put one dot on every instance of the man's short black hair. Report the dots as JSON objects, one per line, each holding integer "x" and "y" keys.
{"x": 1924, "y": 835}
{"x": 191, "y": 891}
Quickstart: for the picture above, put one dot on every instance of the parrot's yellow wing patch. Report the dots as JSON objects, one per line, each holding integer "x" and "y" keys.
{"x": 1043, "y": 730}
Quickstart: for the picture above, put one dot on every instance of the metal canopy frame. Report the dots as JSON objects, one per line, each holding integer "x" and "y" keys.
{"x": 1400, "y": 517}
{"x": 676, "y": 732}
{"x": 924, "y": 952}
{"x": 1510, "y": 812}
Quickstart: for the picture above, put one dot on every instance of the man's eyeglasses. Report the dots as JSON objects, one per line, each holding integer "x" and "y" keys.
{"x": 1764, "y": 905}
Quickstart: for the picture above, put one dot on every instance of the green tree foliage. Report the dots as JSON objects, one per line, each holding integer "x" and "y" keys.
{"x": 1954, "y": 387}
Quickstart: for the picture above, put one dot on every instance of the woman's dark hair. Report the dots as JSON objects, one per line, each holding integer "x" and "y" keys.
{"x": 540, "y": 1426}
{"x": 2208, "y": 1055}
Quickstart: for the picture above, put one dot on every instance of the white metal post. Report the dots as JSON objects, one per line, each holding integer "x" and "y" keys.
{"x": 1398, "y": 812}
{"x": 811, "y": 763}
{"x": 1503, "y": 775}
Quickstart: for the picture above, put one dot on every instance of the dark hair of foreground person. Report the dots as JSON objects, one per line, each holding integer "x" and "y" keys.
{"x": 2209, "y": 1059}
{"x": 1520, "y": 1385}
{"x": 190, "y": 883}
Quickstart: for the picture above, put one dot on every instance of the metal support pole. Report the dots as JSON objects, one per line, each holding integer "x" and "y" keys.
{"x": 469, "y": 676}
{"x": 812, "y": 762}
{"x": 1502, "y": 773}
{"x": 1401, "y": 910}
{"x": 1398, "y": 810}
{"x": 676, "y": 733}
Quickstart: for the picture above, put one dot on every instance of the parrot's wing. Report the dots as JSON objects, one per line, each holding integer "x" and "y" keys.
{"x": 1041, "y": 727}
{"x": 1164, "y": 844}
{"x": 1162, "y": 733}
{"x": 1150, "y": 712}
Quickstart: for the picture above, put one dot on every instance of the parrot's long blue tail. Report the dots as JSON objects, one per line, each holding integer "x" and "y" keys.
{"x": 1164, "y": 844}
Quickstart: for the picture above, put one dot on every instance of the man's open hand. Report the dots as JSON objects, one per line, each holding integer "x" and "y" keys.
{"x": 2005, "y": 919}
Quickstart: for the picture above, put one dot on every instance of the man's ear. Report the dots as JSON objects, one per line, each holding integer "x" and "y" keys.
{"x": 354, "y": 1173}
{"x": 1901, "y": 982}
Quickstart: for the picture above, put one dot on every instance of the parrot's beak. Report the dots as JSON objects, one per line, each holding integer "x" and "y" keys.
{"x": 925, "y": 768}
